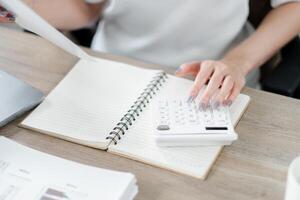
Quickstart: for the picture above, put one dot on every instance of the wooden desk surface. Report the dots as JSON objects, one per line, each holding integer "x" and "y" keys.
{"x": 254, "y": 167}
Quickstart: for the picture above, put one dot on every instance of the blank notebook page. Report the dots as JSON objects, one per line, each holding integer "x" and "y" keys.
{"x": 138, "y": 143}
{"x": 88, "y": 103}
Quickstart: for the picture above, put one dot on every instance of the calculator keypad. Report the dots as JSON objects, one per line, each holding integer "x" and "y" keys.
{"x": 179, "y": 116}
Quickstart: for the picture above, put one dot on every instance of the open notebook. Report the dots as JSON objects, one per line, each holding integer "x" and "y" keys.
{"x": 27, "y": 174}
{"x": 106, "y": 105}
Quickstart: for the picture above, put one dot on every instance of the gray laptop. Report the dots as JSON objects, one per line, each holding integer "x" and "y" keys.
{"x": 16, "y": 97}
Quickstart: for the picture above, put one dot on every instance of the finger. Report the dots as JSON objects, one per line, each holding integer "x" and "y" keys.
{"x": 6, "y": 17}
{"x": 5, "y": 20}
{"x": 201, "y": 78}
{"x": 225, "y": 90}
{"x": 212, "y": 87}
{"x": 191, "y": 68}
{"x": 235, "y": 92}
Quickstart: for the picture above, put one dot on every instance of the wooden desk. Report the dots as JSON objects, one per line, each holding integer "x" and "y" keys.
{"x": 254, "y": 167}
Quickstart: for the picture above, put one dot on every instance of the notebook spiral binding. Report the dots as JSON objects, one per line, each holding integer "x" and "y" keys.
{"x": 127, "y": 120}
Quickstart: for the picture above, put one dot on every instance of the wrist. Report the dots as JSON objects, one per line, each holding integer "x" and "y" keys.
{"x": 237, "y": 61}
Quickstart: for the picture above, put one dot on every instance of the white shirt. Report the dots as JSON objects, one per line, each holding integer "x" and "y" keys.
{"x": 171, "y": 32}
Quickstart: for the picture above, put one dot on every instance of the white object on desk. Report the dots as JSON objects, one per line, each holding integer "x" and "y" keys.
{"x": 17, "y": 97}
{"x": 181, "y": 123}
{"x": 293, "y": 181}
{"x": 28, "y": 174}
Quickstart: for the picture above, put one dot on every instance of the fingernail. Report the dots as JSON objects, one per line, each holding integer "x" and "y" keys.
{"x": 227, "y": 103}
{"x": 178, "y": 70}
{"x": 216, "y": 104}
{"x": 190, "y": 99}
{"x": 202, "y": 106}
{"x": 9, "y": 14}
{"x": 11, "y": 18}
{"x": 3, "y": 13}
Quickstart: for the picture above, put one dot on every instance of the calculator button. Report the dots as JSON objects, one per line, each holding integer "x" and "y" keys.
{"x": 163, "y": 127}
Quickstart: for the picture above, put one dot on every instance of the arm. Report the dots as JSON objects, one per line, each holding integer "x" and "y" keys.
{"x": 279, "y": 27}
{"x": 65, "y": 14}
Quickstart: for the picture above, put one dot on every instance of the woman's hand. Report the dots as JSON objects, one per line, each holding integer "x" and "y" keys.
{"x": 6, "y": 16}
{"x": 278, "y": 27}
{"x": 225, "y": 79}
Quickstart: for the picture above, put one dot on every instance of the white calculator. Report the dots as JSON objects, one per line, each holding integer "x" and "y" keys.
{"x": 181, "y": 123}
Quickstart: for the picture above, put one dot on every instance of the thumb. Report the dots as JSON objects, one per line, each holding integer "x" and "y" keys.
{"x": 191, "y": 68}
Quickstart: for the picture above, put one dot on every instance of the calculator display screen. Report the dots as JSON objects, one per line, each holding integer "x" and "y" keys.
{"x": 216, "y": 128}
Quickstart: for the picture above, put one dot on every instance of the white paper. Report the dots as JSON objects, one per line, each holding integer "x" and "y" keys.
{"x": 90, "y": 101}
{"x": 28, "y": 19}
{"x": 27, "y": 174}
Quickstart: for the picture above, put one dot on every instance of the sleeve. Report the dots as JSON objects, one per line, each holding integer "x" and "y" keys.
{"x": 93, "y": 1}
{"x": 276, "y": 3}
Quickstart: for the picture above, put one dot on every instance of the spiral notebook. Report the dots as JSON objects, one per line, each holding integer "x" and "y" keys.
{"x": 107, "y": 105}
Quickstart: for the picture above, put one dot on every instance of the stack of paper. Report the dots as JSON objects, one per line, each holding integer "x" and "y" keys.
{"x": 27, "y": 174}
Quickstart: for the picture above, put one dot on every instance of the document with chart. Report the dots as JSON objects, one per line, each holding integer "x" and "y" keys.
{"x": 27, "y": 174}
{"x": 107, "y": 105}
